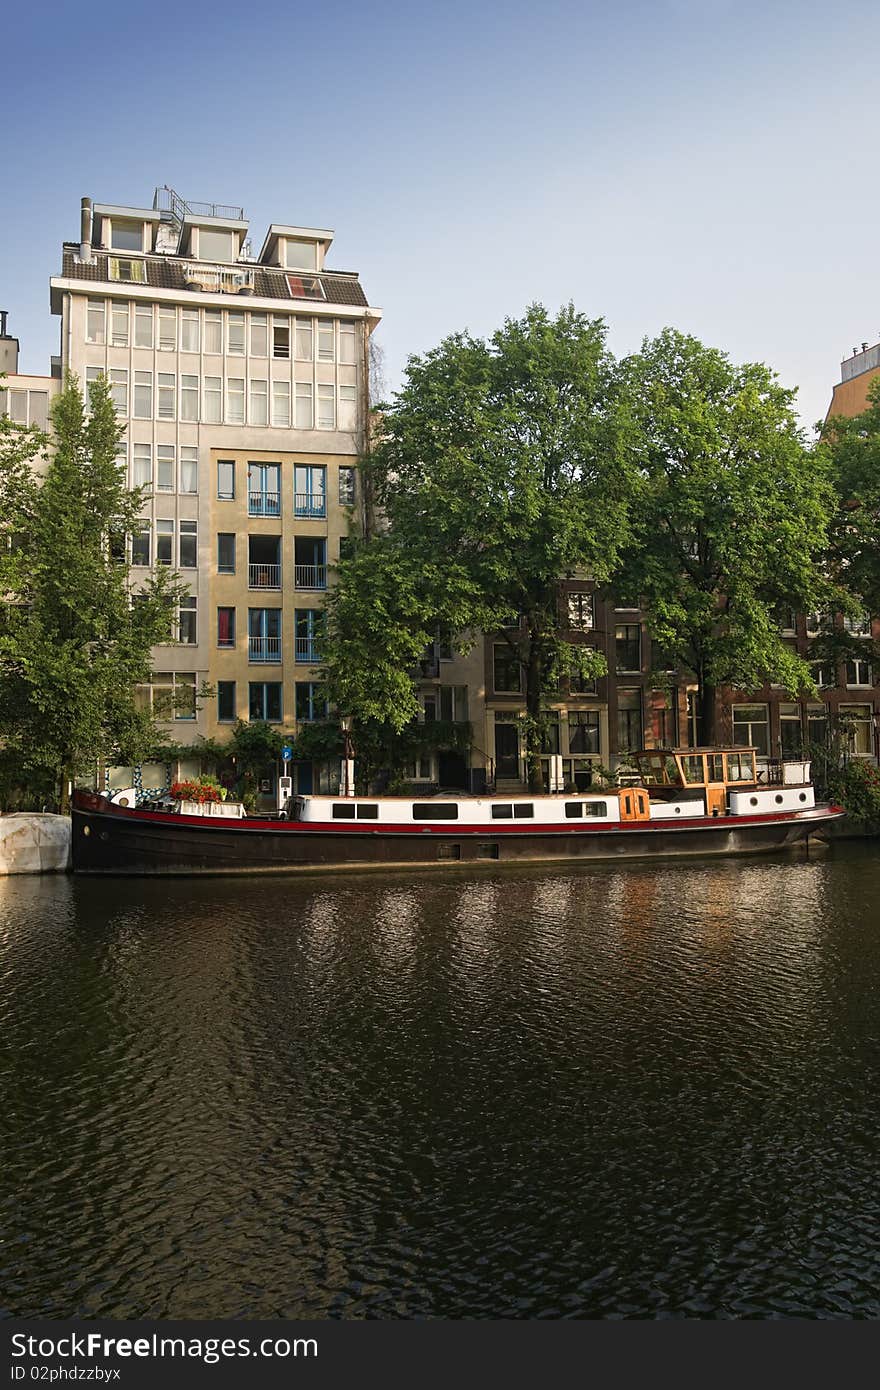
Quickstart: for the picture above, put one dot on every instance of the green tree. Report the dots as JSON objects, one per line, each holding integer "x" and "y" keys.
{"x": 733, "y": 517}
{"x": 853, "y": 446}
{"x": 76, "y": 636}
{"x": 500, "y": 470}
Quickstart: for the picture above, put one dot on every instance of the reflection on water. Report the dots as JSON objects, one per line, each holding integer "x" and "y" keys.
{"x": 582, "y": 1092}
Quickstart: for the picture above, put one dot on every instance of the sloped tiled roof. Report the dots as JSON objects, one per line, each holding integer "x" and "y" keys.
{"x": 166, "y": 273}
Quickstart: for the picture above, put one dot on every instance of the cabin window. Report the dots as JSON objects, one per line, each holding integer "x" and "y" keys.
{"x": 435, "y": 810}
{"x": 692, "y": 765}
{"x": 368, "y": 812}
{"x": 574, "y": 810}
{"x": 523, "y": 810}
{"x": 343, "y": 811}
{"x": 446, "y": 851}
{"x": 740, "y": 767}
{"x": 715, "y": 763}
{"x": 502, "y": 812}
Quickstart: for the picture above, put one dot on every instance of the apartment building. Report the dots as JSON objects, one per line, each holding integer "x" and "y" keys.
{"x": 24, "y": 398}
{"x": 242, "y": 382}
{"x": 857, "y": 372}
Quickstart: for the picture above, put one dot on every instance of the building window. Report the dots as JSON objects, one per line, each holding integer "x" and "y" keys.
{"x": 304, "y": 340}
{"x": 128, "y": 272}
{"x": 304, "y": 412}
{"x": 95, "y": 321}
{"x": 281, "y": 404}
{"x": 189, "y": 468}
{"x": 790, "y": 739}
{"x": 189, "y": 330}
{"x": 326, "y": 342}
{"x": 166, "y": 392}
{"x": 347, "y": 343}
{"x": 629, "y": 720}
{"x": 859, "y": 626}
{"x": 126, "y": 236}
{"x": 226, "y": 552}
{"x": 140, "y": 547}
{"x": 507, "y": 668}
{"x": 581, "y": 612}
{"x": 93, "y": 374}
{"x": 225, "y": 627}
{"x": 167, "y": 329}
{"x": 310, "y": 704}
{"x": 453, "y": 703}
{"x": 259, "y": 407}
{"x": 226, "y": 702}
{"x": 628, "y": 647}
{"x": 264, "y": 489}
{"x": 143, "y": 325}
{"x": 164, "y": 542}
{"x": 186, "y": 621}
{"x": 216, "y": 245}
{"x": 143, "y": 396}
{"x": 856, "y": 721}
{"x": 264, "y": 701}
{"x": 347, "y": 408}
{"x": 173, "y": 695}
{"x": 281, "y": 339}
{"x": 189, "y": 398}
{"x": 310, "y": 562}
{"x": 213, "y": 331}
{"x": 309, "y": 626}
{"x": 235, "y": 400}
{"x": 119, "y": 324}
{"x": 165, "y": 468}
{"x": 235, "y": 334}
{"x": 259, "y": 335}
{"x": 213, "y": 400}
{"x": 189, "y": 545}
{"x": 661, "y": 715}
{"x": 347, "y": 486}
{"x": 264, "y": 634}
{"x": 579, "y": 684}
{"x": 693, "y": 718}
{"x": 817, "y": 723}
{"x": 310, "y": 490}
{"x": 326, "y": 408}
{"x": 119, "y": 389}
{"x": 583, "y": 731}
{"x": 226, "y": 479}
{"x": 858, "y": 672}
{"x": 142, "y": 466}
{"x": 751, "y": 728}
{"x": 300, "y": 255}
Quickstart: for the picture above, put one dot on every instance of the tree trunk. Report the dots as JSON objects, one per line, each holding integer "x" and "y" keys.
{"x": 63, "y": 793}
{"x": 534, "y": 682}
{"x": 706, "y": 724}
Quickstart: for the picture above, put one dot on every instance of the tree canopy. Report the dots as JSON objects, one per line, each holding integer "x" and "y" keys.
{"x": 501, "y": 468}
{"x": 733, "y": 516}
{"x": 75, "y": 636}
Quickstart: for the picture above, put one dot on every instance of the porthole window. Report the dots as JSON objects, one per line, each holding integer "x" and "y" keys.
{"x": 802, "y": 796}
{"x": 779, "y": 798}
{"x": 753, "y": 800}
{"x": 678, "y": 810}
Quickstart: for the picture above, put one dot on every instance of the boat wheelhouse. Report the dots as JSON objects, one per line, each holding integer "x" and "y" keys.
{"x": 679, "y": 803}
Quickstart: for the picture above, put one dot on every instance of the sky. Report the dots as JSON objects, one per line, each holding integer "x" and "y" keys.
{"x": 706, "y": 164}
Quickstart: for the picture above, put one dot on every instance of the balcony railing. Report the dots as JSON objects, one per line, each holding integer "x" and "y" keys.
{"x": 310, "y": 576}
{"x": 264, "y": 649}
{"x": 264, "y": 504}
{"x": 306, "y": 650}
{"x": 264, "y": 576}
{"x": 310, "y": 504}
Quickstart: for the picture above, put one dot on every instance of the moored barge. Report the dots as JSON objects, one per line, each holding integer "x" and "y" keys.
{"x": 685, "y": 803}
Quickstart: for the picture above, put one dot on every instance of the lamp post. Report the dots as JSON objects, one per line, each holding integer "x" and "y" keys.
{"x": 347, "y": 721}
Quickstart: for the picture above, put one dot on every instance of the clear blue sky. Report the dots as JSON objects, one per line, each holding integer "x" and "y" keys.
{"x": 710, "y": 164}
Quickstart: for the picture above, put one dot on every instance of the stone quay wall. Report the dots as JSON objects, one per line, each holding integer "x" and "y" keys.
{"x": 34, "y": 843}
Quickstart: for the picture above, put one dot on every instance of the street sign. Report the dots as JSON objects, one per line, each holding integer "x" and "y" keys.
{"x": 287, "y": 752}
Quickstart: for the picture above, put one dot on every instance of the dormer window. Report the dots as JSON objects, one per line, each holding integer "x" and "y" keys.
{"x": 300, "y": 255}
{"x": 217, "y": 246}
{"x": 126, "y": 236}
{"x": 305, "y": 287}
{"x": 128, "y": 272}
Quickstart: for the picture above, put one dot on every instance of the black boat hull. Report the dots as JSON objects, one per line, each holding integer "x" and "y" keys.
{"x": 113, "y": 840}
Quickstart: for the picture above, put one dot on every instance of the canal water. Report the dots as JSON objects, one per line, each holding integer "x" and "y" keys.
{"x": 594, "y": 1092}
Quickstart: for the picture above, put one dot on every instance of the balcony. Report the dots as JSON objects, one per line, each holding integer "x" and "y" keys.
{"x": 306, "y": 651}
{"x": 265, "y": 649}
{"x": 310, "y": 576}
{"x": 264, "y": 504}
{"x": 310, "y": 504}
{"x": 264, "y": 576}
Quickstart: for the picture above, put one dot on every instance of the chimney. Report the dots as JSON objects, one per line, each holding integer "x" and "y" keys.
{"x": 85, "y": 231}
{"x": 4, "y": 314}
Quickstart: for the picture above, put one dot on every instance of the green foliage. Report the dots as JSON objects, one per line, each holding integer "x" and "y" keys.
{"x": 733, "y": 516}
{"x": 856, "y": 786}
{"x": 75, "y": 639}
{"x": 853, "y": 447}
{"x": 502, "y": 468}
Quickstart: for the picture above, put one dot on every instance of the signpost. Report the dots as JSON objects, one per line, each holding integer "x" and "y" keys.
{"x": 285, "y": 784}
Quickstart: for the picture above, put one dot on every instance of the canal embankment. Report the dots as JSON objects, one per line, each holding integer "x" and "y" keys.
{"x": 34, "y": 842}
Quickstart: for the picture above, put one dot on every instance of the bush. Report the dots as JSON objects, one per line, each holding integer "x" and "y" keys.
{"x": 856, "y": 787}
{"x": 201, "y": 789}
